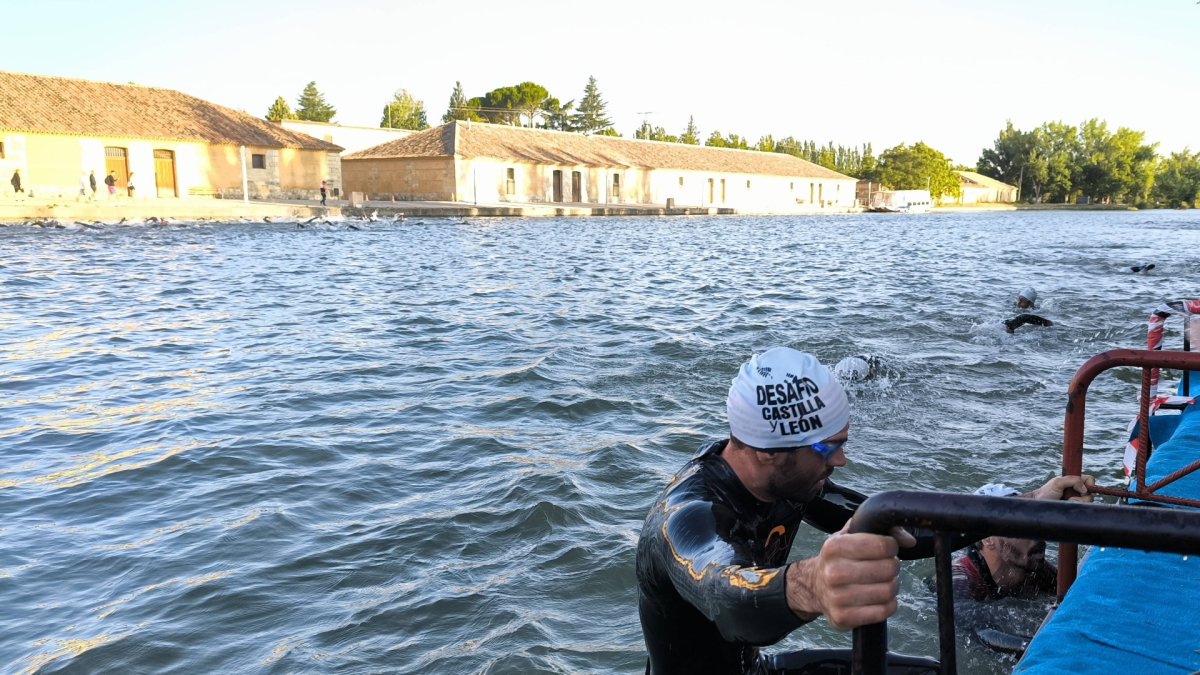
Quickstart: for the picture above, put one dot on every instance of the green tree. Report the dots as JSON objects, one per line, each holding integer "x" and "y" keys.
{"x": 459, "y": 108}
{"x": 280, "y": 111}
{"x": 765, "y": 143}
{"x": 530, "y": 97}
{"x": 404, "y": 111}
{"x": 1177, "y": 180}
{"x": 690, "y": 135}
{"x": 919, "y": 167}
{"x": 1051, "y": 158}
{"x": 1008, "y": 157}
{"x": 716, "y": 140}
{"x": 592, "y": 114}
{"x": 557, "y": 115}
{"x": 311, "y": 105}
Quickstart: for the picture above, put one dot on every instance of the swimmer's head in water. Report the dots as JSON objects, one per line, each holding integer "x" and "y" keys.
{"x": 852, "y": 368}
{"x": 1026, "y": 298}
{"x": 784, "y": 398}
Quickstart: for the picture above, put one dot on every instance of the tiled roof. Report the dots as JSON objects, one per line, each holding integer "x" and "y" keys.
{"x": 563, "y": 148}
{"x": 56, "y": 105}
{"x": 984, "y": 181}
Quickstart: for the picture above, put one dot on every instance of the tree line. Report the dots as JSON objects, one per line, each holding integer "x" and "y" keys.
{"x": 1054, "y": 162}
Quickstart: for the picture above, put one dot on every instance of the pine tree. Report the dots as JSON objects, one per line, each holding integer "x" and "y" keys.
{"x": 311, "y": 105}
{"x": 691, "y": 135}
{"x": 280, "y": 111}
{"x": 593, "y": 115}
{"x": 460, "y": 108}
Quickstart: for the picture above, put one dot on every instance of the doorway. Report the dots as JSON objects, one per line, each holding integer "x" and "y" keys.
{"x": 558, "y": 185}
{"x": 164, "y": 173}
{"x": 116, "y": 162}
{"x": 576, "y": 187}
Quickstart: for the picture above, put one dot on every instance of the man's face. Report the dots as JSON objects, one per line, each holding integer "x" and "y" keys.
{"x": 1019, "y": 558}
{"x": 1023, "y": 303}
{"x": 800, "y": 474}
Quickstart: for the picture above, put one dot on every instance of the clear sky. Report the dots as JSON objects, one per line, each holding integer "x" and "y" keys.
{"x": 949, "y": 73}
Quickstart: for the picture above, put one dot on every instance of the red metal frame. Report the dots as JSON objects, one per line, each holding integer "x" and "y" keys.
{"x": 1072, "y": 465}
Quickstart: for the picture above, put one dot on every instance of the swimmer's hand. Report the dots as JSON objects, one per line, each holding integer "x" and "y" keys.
{"x": 852, "y": 581}
{"x": 1072, "y": 488}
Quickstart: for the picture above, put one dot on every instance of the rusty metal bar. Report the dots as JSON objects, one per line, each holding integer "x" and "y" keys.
{"x": 1135, "y": 527}
{"x": 1072, "y": 464}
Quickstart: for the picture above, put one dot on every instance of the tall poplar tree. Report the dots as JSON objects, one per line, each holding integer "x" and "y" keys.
{"x": 311, "y": 105}
{"x": 592, "y": 114}
{"x": 280, "y": 111}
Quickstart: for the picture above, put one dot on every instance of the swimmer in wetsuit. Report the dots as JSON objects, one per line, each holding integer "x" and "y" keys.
{"x": 714, "y": 583}
{"x": 1025, "y": 300}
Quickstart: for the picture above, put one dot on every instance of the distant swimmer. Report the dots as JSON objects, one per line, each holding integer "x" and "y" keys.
{"x": 854, "y": 369}
{"x": 1142, "y": 269}
{"x": 1025, "y": 300}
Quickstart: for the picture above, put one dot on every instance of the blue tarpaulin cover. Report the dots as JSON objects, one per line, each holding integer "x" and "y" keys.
{"x": 1130, "y": 611}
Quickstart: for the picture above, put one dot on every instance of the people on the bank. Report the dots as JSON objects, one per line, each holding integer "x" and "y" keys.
{"x": 92, "y": 183}
{"x": 129, "y": 185}
{"x": 1026, "y": 300}
{"x": 714, "y": 583}
{"x": 15, "y": 181}
{"x": 324, "y": 193}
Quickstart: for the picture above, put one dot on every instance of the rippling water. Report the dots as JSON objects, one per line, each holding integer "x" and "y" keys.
{"x": 428, "y": 447}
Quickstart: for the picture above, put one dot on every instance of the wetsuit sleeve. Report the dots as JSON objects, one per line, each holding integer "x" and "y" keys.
{"x": 837, "y": 504}
{"x": 747, "y": 603}
{"x": 1021, "y": 319}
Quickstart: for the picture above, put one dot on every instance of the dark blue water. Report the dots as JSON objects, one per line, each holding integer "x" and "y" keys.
{"x": 428, "y": 447}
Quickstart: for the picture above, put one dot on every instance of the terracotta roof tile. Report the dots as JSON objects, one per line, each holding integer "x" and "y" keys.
{"x": 558, "y": 147}
{"x": 56, "y": 105}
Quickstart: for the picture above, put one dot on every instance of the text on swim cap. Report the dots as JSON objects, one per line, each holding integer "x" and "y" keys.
{"x": 790, "y": 407}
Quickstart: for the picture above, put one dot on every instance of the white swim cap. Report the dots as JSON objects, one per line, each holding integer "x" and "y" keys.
{"x": 996, "y": 490}
{"x": 852, "y": 368}
{"x": 784, "y": 398}
{"x": 1029, "y": 294}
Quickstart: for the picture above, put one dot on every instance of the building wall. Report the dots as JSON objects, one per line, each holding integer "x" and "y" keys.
{"x": 51, "y": 166}
{"x": 351, "y": 138}
{"x": 420, "y": 179}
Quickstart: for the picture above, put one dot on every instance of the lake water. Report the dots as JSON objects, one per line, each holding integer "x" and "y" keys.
{"x": 428, "y": 447}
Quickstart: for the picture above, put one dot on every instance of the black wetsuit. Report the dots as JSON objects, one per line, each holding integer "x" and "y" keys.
{"x": 711, "y": 567}
{"x": 1021, "y": 319}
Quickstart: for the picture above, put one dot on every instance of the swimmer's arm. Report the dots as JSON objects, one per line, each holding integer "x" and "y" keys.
{"x": 747, "y": 603}
{"x": 1021, "y": 319}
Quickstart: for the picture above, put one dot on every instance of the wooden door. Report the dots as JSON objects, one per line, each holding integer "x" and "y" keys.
{"x": 558, "y": 186}
{"x": 116, "y": 162}
{"x": 576, "y": 186}
{"x": 164, "y": 173}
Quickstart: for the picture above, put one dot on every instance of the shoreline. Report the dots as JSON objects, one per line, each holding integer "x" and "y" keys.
{"x": 34, "y": 210}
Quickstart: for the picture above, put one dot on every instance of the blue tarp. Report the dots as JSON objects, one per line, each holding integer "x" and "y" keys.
{"x": 1129, "y": 611}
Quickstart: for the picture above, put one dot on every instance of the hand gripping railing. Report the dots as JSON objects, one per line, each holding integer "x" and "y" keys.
{"x": 1167, "y": 530}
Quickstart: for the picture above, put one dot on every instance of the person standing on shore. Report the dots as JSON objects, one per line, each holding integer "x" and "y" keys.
{"x": 92, "y": 182}
{"x": 111, "y": 181}
{"x": 324, "y": 193}
{"x": 83, "y": 186}
{"x": 16, "y": 182}
{"x": 129, "y": 185}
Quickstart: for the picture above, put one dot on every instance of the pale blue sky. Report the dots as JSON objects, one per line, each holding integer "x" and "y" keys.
{"x": 947, "y": 73}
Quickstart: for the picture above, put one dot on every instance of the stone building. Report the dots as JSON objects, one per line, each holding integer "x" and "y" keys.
{"x": 486, "y": 163}
{"x": 980, "y": 189}
{"x": 57, "y": 130}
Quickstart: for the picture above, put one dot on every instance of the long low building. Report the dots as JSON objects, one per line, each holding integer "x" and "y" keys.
{"x": 58, "y": 132}
{"x": 486, "y": 163}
